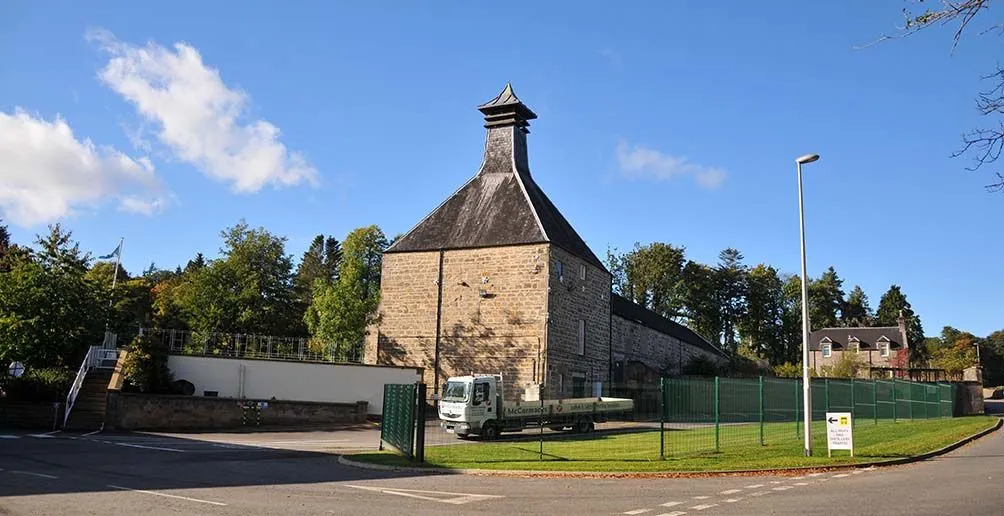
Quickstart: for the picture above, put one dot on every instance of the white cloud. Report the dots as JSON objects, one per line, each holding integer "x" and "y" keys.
{"x": 46, "y": 173}
{"x": 197, "y": 117}
{"x": 640, "y": 162}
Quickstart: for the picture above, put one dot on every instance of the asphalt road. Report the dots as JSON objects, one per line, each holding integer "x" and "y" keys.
{"x": 276, "y": 473}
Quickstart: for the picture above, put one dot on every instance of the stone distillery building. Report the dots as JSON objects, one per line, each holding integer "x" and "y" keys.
{"x": 496, "y": 280}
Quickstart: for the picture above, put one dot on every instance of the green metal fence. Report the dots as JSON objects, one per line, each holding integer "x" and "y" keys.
{"x": 708, "y": 414}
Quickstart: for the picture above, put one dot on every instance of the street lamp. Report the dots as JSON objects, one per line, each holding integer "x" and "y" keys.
{"x": 806, "y": 386}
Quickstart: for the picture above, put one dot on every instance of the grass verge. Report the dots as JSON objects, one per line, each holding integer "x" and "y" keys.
{"x": 690, "y": 450}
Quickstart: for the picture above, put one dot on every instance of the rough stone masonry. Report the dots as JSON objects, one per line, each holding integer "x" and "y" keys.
{"x": 496, "y": 280}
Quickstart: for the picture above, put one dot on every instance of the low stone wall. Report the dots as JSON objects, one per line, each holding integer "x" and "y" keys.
{"x": 131, "y": 411}
{"x": 31, "y": 415}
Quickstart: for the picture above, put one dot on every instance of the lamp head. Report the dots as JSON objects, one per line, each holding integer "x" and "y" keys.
{"x": 808, "y": 158}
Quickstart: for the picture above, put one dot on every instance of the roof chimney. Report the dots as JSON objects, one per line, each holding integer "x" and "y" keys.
{"x": 507, "y": 120}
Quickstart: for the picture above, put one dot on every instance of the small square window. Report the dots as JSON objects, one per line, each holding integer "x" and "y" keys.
{"x": 582, "y": 337}
{"x": 582, "y": 272}
{"x": 827, "y": 350}
{"x": 883, "y": 349}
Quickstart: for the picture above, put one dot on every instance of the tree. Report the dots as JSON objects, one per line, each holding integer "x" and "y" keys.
{"x": 195, "y": 263}
{"x": 826, "y": 300}
{"x": 954, "y": 351}
{"x": 856, "y": 311}
{"x": 894, "y": 303}
{"x": 762, "y": 325}
{"x": 651, "y": 276}
{"x": 985, "y": 144}
{"x": 700, "y": 301}
{"x": 992, "y": 358}
{"x": 49, "y": 311}
{"x": 320, "y": 262}
{"x": 101, "y": 273}
{"x": 341, "y": 310}
{"x": 248, "y": 290}
{"x": 730, "y": 282}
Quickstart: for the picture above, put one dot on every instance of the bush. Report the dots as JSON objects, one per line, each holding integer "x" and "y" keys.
{"x": 145, "y": 367}
{"x": 700, "y": 366}
{"x": 38, "y": 385}
{"x": 847, "y": 367}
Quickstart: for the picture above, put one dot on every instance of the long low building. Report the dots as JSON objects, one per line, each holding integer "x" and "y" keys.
{"x": 496, "y": 280}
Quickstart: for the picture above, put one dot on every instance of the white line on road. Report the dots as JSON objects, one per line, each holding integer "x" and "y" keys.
{"x": 638, "y": 511}
{"x": 674, "y": 513}
{"x": 754, "y": 486}
{"x": 801, "y": 483}
{"x": 733, "y": 500}
{"x": 167, "y": 495}
{"x": 842, "y": 475}
{"x": 815, "y": 474}
{"x": 704, "y": 506}
{"x": 775, "y": 481}
{"x": 760, "y": 493}
{"x": 731, "y": 491}
{"x": 701, "y": 497}
{"x": 669, "y": 504}
{"x": 5, "y": 436}
{"x": 43, "y": 475}
{"x": 782, "y": 488}
{"x": 456, "y": 498}
{"x": 129, "y": 445}
{"x": 91, "y": 433}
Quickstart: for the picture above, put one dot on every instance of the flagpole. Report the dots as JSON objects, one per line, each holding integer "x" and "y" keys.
{"x": 118, "y": 260}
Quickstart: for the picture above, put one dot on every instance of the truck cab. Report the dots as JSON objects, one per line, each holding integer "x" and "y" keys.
{"x": 471, "y": 404}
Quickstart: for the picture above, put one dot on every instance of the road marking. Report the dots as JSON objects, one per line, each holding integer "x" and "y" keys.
{"x": 775, "y": 481}
{"x": 857, "y": 472}
{"x": 760, "y": 493}
{"x": 815, "y": 474}
{"x": 638, "y": 511}
{"x": 7, "y": 436}
{"x": 210, "y": 502}
{"x": 704, "y": 506}
{"x": 782, "y": 488}
{"x": 670, "y": 504}
{"x": 674, "y": 513}
{"x": 43, "y": 475}
{"x": 821, "y": 479}
{"x": 754, "y": 486}
{"x": 801, "y": 483}
{"x": 456, "y": 498}
{"x": 701, "y": 497}
{"x": 797, "y": 478}
{"x": 91, "y": 433}
{"x": 733, "y": 500}
{"x": 842, "y": 475}
{"x": 129, "y": 445}
{"x": 731, "y": 491}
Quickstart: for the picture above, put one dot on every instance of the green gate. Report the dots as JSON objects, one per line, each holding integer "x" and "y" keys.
{"x": 403, "y": 417}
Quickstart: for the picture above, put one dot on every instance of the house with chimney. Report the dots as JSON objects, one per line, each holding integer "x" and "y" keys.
{"x": 496, "y": 280}
{"x": 874, "y": 347}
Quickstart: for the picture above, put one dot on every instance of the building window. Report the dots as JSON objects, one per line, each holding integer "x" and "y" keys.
{"x": 827, "y": 350}
{"x": 560, "y": 267}
{"x": 582, "y": 272}
{"x": 582, "y": 337}
{"x": 883, "y": 349}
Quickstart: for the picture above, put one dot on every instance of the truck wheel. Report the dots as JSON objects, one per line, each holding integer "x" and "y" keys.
{"x": 584, "y": 425}
{"x": 489, "y": 432}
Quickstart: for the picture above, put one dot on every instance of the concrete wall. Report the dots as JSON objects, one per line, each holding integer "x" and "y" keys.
{"x": 130, "y": 411}
{"x": 634, "y": 342}
{"x": 500, "y": 331}
{"x": 571, "y": 299}
{"x": 299, "y": 381}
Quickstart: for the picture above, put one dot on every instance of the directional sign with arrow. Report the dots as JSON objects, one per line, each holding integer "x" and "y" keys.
{"x": 839, "y": 432}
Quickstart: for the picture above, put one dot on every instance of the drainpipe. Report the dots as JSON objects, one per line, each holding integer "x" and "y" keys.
{"x": 439, "y": 318}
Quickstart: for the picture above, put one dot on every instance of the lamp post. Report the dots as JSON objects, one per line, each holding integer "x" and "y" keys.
{"x": 806, "y": 386}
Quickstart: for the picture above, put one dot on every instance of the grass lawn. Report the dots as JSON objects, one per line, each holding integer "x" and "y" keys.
{"x": 694, "y": 449}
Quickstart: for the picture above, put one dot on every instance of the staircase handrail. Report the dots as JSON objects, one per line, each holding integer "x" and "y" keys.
{"x": 78, "y": 382}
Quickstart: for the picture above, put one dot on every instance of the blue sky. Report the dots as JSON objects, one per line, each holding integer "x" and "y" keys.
{"x": 660, "y": 121}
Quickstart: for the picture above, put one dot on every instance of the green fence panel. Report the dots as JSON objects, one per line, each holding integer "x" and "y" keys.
{"x": 397, "y": 427}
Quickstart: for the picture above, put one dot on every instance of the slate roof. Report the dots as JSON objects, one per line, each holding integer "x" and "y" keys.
{"x": 867, "y": 337}
{"x": 502, "y": 205}
{"x": 627, "y": 309}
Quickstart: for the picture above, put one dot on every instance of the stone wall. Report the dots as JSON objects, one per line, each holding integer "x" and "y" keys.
{"x": 867, "y": 358}
{"x": 573, "y": 299}
{"x": 31, "y": 415}
{"x": 131, "y": 411}
{"x": 494, "y": 303}
{"x": 634, "y": 342}
{"x": 968, "y": 398}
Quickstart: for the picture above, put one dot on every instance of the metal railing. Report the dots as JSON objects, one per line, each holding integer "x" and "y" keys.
{"x": 244, "y": 345}
{"x": 78, "y": 382}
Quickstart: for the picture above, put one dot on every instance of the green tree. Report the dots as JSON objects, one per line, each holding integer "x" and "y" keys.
{"x": 49, "y": 311}
{"x": 342, "y": 309}
{"x": 195, "y": 263}
{"x": 826, "y": 299}
{"x": 249, "y": 289}
{"x": 730, "y": 289}
{"x": 700, "y": 301}
{"x": 856, "y": 311}
{"x": 992, "y": 358}
{"x": 652, "y": 277}
{"x": 101, "y": 273}
{"x": 791, "y": 319}
{"x": 762, "y": 325}
{"x": 894, "y": 303}
{"x": 320, "y": 262}
{"x": 954, "y": 351}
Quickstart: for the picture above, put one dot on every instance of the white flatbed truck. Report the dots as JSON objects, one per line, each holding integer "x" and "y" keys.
{"x": 476, "y": 404}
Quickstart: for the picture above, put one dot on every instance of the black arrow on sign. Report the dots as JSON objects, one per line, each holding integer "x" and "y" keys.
{"x": 832, "y": 420}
